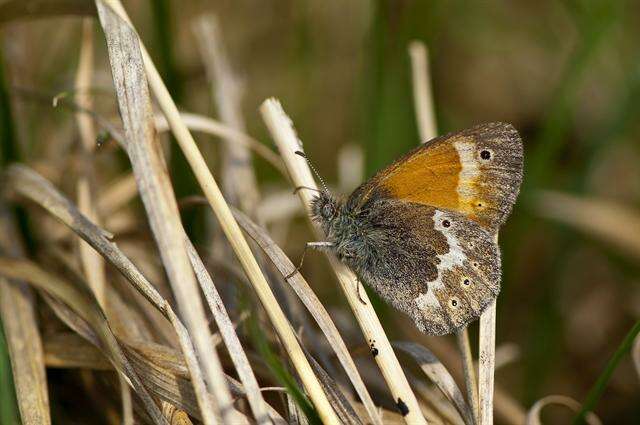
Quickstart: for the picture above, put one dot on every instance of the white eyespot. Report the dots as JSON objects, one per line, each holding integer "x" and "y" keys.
{"x": 454, "y": 302}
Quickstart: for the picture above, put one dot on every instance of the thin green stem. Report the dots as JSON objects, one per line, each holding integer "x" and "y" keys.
{"x": 601, "y": 384}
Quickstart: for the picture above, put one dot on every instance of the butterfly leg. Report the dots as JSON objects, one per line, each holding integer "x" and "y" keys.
{"x": 299, "y": 188}
{"x": 314, "y": 245}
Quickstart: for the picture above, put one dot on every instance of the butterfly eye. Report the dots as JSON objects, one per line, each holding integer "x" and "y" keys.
{"x": 327, "y": 211}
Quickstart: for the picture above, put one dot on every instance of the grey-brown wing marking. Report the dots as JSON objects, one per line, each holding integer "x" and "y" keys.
{"x": 435, "y": 265}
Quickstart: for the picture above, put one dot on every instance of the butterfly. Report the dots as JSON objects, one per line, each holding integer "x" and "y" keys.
{"x": 422, "y": 233}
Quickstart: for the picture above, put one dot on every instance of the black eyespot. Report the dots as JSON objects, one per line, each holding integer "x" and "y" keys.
{"x": 466, "y": 282}
{"x": 454, "y": 302}
{"x": 485, "y": 154}
{"x": 475, "y": 264}
{"x": 446, "y": 223}
{"x": 479, "y": 204}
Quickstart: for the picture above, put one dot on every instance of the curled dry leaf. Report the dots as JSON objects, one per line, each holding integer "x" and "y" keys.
{"x": 533, "y": 416}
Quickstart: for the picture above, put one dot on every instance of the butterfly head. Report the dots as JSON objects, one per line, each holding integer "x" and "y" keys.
{"x": 325, "y": 208}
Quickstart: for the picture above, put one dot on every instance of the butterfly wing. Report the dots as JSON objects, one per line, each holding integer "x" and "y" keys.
{"x": 476, "y": 172}
{"x": 436, "y": 265}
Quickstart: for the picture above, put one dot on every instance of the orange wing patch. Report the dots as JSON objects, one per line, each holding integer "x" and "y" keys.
{"x": 444, "y": 176}
{"x": 476, "y": 172}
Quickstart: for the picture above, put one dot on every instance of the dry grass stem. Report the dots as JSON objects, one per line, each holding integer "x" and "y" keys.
{"x": 27, "y": 183}
{"x": 19, "y": 321}
{"x": 422, "y": 93}
{"x": 195, "y": 122}
{"x": 439, "y": 375}
{"x": 92, "y": 263}
{"x": 283, "y": 133}
{"x": 229, "y": 336}
{"x": 315, "y": 307}
{"x": 204, "y": 401}
{"x": 427, "y": 128}
{"x": 607, "y": 220}
{"x": 88, "y": 310}
{"x": 468, "y": 367}
{"x": 239, "y": 182}
{"x": 487, "y": 358}
{"x": 157, "y": 195}
{"x": 234, "y": 235}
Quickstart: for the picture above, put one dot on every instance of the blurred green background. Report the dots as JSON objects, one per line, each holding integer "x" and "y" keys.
{"x": 565, "y": 73}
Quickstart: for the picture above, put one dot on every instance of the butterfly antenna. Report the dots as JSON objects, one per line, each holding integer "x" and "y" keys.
{"x": 315, "y": 171}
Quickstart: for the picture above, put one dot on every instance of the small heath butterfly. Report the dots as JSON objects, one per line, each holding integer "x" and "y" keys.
{"x": 422, "y": 232}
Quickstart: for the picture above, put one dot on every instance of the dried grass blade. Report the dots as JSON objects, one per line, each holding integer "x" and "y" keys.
{"x": 29, "y": 184}
{"x": 604, "y": 219}
{"x": 234, "y": 234}
{"x": 158, "y": 198}
{"x": 68, "y": 350}
{"x": 229, "y": 336}
{"x": 533, "y": 416}
{"x": 439, "y": 375}
{"x": 238, "y": 179}
{"x": 92, "y": 264}
{"x": 422, "y": 93}
{"x": 486, "y": 365}
{"x": 470, "y": 381}
{"x": 86, "y": 307}
{"x": 195, "y": 122}
{"x": 283, "y": 133}
{"x": 204, "y": 401}
{"x": 313, "y": 304}
{"x": 18, "y": 314}
{"x": 344, "y": 409}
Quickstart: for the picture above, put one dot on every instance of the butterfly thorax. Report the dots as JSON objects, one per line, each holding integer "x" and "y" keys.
{"x": 345, "y": 228}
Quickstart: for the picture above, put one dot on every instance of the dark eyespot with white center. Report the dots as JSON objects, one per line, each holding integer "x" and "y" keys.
{"x": 454, "y": 302}
{"x": 485, "y": 155}
{"x": 446, "y": 223}
{"x": 466, "y": 282}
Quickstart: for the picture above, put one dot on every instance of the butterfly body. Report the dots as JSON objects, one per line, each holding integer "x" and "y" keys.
{"x": 422, "y": 231}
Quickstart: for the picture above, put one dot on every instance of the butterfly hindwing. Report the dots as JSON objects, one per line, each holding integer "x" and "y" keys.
{"x": 476, "y": 172}
{"x": 436, "y": 265}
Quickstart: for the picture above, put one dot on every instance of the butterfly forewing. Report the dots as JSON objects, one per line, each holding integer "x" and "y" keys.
{"x": 476, "y": 172}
